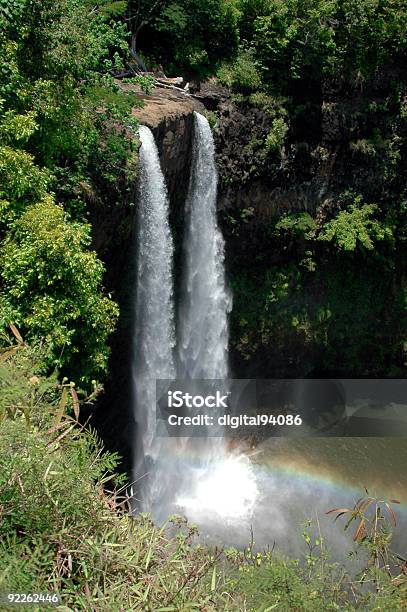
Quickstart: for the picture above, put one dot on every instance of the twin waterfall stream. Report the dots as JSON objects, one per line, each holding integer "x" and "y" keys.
{"x": 193, "y": 477}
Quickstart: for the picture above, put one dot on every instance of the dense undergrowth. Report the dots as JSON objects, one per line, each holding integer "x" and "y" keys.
{"x": 65, "y": 146}
{"x": 66, "y": 527}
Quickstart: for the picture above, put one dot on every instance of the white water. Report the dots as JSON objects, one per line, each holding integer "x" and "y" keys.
{"x": 154, "y": 337}
{"x": 206, "y": 301}
{"x": 196, "y": 477}
{"x": 220, "y": 485}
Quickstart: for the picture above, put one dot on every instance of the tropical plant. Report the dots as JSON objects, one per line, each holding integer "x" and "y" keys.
{"x": 355, "y": 228}
{"x": 52, "y": 290}
{"x": 384, "y": 568}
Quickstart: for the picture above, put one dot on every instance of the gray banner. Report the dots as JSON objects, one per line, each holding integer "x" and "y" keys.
{"x": 264, "y": 408}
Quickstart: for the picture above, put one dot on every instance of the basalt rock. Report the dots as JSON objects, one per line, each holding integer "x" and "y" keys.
{"x": 327, "y": 149}
{"x": 169, "y": 115}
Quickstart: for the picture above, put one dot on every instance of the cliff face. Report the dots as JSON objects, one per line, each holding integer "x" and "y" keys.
{"x": 169, "y": 115}
{"x": 300, "y": 310}
{"x": 271, "y": 183}
{"x": 323, "y": 142}
{"x": 340, "y": 141}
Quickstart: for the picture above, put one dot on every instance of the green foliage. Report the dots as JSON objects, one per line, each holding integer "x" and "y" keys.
{"x": 273, "y": 583}
{"x": 21, "y": 182}
{"x": 363, "y": 146}
{"x": 55, "y": 56}
{"x": 146, "y": 82}
{"x": 262, "y": 308}
{"x": 376, "y": 519}
{"x": 356, "y": 228}
{"x": 189, "y": 35}
{"x": 272, "y": 105}
{"x": 243, "y": 74}
{"x": 14, "y": 127}
{"x": 294, "y": 40}
{"x": 113, "y": 9}
{"x": 114, "y": 159}
{"x": 51, "y": 290}
{"x": 297, "y": 225}
{"x": 371, "y": 33}
{"x": 172, "y": 19}
{"x": 322, "y": 306}
{"x": 65, "y": 135}
{"x": 212, "y": 118}
{"x": 279, "y": 30}
{"x": 275, "y": 138}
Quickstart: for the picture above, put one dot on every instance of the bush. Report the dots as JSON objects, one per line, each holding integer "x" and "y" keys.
{"x": 356, "y": 227}
{"x": 297, "y": 225}
{"x": 52, "y": 290}
{"x": 272, "y": 105}
{"x": 62, "y": 531}
{"x": 243, "y": 74}
{"x": 275, "y": 138}
{"x": 21, "y": 183}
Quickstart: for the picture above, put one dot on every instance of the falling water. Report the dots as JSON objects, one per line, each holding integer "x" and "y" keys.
{"x": 193, "y": 476}
{"x": 206, "y": 301}
{"x": 219, "y": 485}
{"x": 154, "y": 337}
{"x": 223, "y": 493}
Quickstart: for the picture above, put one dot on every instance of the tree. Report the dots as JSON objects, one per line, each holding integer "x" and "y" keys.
{"x": 52, "y": 290}
{"x": 61, "y": 115}
{"x": 191, "y": 35}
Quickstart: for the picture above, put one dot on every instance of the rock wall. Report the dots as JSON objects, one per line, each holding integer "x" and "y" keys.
{"x": 332, "y": 143}
{"x": 297, "y": 178}
{"x": 347, "y": 138}
{"x": 169, "y": 114}
{"x": 327, "y": 149}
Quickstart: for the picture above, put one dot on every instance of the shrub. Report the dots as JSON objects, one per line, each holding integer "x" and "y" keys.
{"x": 212, "y": 118}
{"x": 272, "y": 105}
{"x": 62, "y": 531}
{"x": 275, "y": 138}
{"x": 243, "y": 74}
{"x": 356, "y": 227}
{"x": 297, "y": 224}
{"x": 146, "y": 82}
{"x": 52, "y": 290}
{"x": 21, "y": 182}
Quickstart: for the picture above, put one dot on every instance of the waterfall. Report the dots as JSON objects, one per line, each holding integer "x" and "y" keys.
{"x": 192, "y": 476}
{"x": 205, "y": 303}
{"x": 154, "y": 337}
{"x": 220, "y": 487}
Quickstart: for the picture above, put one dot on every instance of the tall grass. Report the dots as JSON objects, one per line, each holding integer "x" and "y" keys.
{"x": 61, "y": 530}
